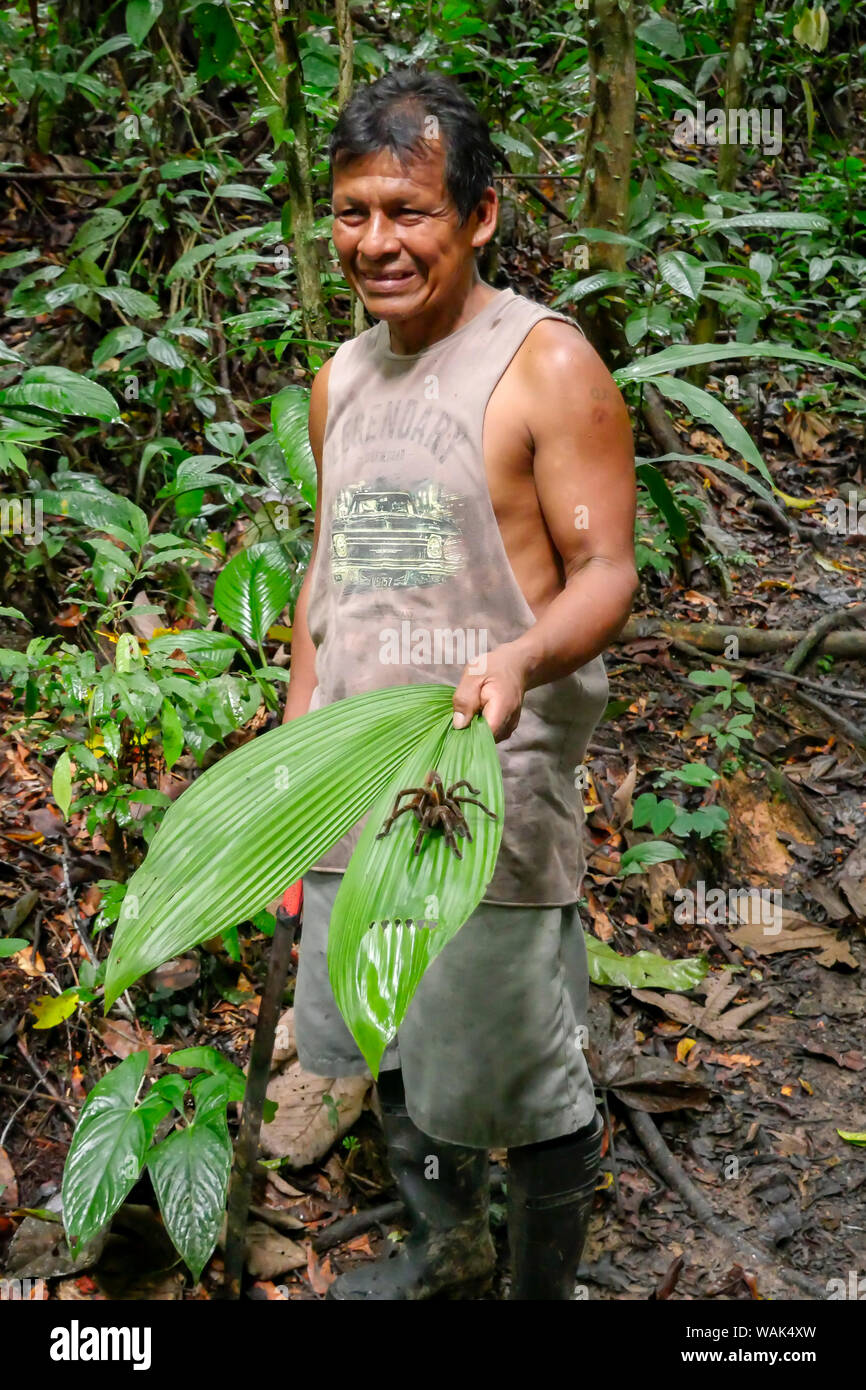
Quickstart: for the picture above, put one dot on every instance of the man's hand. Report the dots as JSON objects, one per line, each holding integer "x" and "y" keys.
{"x": 497, "y": 693}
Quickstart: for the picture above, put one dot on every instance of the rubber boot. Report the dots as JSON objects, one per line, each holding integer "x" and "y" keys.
{"x": 449, "y": 1250}
{"x": 550, "y": 1196}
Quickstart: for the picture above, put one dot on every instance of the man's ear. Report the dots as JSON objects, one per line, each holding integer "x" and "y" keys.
{"x": 487, "y": 213}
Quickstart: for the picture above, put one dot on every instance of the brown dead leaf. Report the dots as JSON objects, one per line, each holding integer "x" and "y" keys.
{"x": 8, "y": 1181}
{"x": 796, "y": 934}
{"x": 757, "y": 856}
{"x": 853, "y": 1061}
{"x": 90, "y": 900}
{"x": 734, "y": 1059}
{"x": 273, "y": 1293}
{"x": 29, "y": 961}
{"x": 708, "y": 1018}
{"x": 662, "y": 884}
{"x": 852, "y": 878}
{"x": 704, "y": 443}
{"x": 602, "y": 926}
{"x": 69, "y": 617}
{"x": 175, "y": 974}
{"x": 790, "y": 1142}
{"x": 622, "y": 798}
{"x": 270, "y": 1252}
{"x": 361, "y": 1244}
{"x": 321, "y": 1276}
{"x": 805, "y": 428}
{"x": 304, "y": 1127}
{"x": 123, "y": 1038}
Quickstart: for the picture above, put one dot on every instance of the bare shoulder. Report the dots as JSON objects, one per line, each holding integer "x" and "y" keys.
{"x": 554, "y": 352}
{"x": 319, "y": 409}
{"x": 564, "y": 378}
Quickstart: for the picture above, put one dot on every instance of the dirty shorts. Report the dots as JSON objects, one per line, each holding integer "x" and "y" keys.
{"x": 490, "y": 1048}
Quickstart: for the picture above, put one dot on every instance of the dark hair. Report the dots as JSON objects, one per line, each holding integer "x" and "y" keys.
{"x": 391, "y": 112}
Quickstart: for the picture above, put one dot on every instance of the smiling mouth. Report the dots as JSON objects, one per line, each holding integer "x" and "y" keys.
{"x": 394, "y": 277}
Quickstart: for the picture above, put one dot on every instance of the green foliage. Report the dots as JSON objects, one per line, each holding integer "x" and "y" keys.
{"x": 189, "y": 1167}
{"x": 707, "y": 714}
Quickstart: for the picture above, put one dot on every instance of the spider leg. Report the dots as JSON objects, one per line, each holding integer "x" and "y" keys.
{"x": 419, "y": 839}
{"x": 473, "y": 791}
{"x": 451, "y": 841}
{"x": 415, "y": 792}
{"x": 470, "y": 801}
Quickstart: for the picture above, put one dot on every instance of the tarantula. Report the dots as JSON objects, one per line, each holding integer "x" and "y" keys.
{"x": 434, "y": 808}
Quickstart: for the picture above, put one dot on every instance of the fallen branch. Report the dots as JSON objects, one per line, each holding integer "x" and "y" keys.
{"x": 752, "y": 641}
{"x": 819, "y": 630}
{"x": 678, "y": 1180}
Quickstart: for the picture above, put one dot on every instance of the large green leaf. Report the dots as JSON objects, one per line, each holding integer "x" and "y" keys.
{"x": 61, "y": 783}
{"x": 67, "y": 393}
{"x": 253, "y": 589}
{"x": 607, "y": 967}
{"x": 375, "y": 959}
{"x": 770, "y": 222}
{"x": 594, "y": 284}
{"x": 141, "y": 15}
{"x": 661, "y": 494}
{"x": 672, "y": 359}
{"x": 259, "y": 818}
{"x": 97, "y": 509}
{"x": 209, "y": 652}
{"x": 190, "y": 1174}
{"x": 290, "y": 412}
{"x": 720, "y": 465}
{"x": 684, "y": 273}
{"x": 107, "y": 1151}
{"x": 706, "y": 407}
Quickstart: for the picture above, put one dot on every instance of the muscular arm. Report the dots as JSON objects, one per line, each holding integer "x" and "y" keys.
{"x": 584, "y": 477}
{"x": 303, "y": 665}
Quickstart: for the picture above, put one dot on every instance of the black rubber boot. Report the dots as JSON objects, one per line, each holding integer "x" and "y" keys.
{"x": 449, "y": 1250}
{"x": 550, "y": 1197}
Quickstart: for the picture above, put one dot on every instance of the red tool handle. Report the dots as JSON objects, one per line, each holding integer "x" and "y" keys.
{"x": 293, "y": 899}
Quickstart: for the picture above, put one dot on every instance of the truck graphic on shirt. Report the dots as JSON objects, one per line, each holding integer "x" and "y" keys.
{"x": 389, "y": 538}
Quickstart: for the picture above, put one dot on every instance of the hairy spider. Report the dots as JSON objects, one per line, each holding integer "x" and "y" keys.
{"x": 434, "y": 808}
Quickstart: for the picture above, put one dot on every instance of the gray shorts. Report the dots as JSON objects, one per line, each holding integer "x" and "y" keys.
{"x": 491, "y": 1045}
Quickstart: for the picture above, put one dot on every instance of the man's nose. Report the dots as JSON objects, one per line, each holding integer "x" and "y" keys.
{"x": 378, "y": 238}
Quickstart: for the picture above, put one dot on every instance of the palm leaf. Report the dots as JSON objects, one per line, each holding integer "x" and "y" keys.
{"x": 259, "y": 818}
{"x": 375, "y": 960}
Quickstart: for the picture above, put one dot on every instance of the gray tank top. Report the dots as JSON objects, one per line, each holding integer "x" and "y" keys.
{"x": 411, "y": 581}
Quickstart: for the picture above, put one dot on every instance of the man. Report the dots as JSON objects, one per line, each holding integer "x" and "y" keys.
{"x": 476, "y": 497}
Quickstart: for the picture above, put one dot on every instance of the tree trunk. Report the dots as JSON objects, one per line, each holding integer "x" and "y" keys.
{"x": 707, "y": 322}
{"x": 608, "y": 146}
{"x": 344, "y": 91}
{"x": 285, "y": 26}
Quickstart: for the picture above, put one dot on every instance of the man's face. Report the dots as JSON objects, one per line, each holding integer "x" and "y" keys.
{"x": 397, "y": 235}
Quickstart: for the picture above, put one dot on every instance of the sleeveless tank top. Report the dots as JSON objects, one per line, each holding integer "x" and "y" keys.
{"x": 410, "y": 552}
